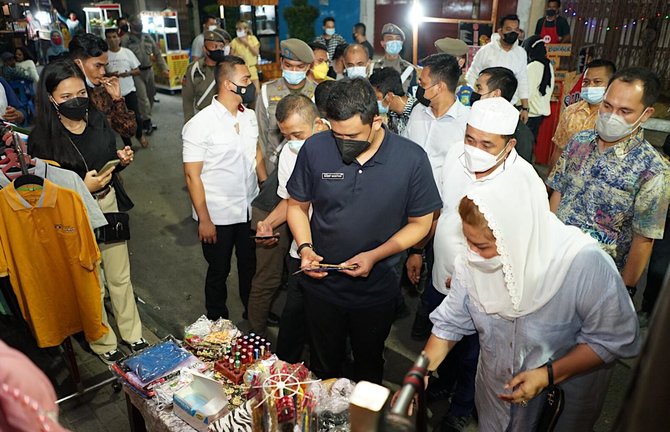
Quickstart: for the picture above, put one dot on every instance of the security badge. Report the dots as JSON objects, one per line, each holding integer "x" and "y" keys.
{"x": 332, "y": 176}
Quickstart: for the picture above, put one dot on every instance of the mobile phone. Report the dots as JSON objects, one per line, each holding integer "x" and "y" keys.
{"x": 110, "y": 165}
{"x": 333, "y": 267}
{"x": 273, "y": 236}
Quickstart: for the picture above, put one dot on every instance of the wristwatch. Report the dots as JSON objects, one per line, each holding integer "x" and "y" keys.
{"x": 524, "y": 109}
{"x": 415, "y": 251}
{"x": 303, "y": 246}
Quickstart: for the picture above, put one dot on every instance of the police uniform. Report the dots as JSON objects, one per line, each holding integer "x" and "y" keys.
{"x": 456, "y": 48}
{"x": 199, "y": 84}
{"x": 406, "y": 69}
{"x": 144, "y": 47}
{"x": 272, "y": 92}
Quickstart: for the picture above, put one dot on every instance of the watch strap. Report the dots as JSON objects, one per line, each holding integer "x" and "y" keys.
{"x": 303, "y": 246}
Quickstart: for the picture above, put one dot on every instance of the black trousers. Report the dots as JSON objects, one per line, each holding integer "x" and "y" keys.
{"x": 218, "y": 257}
{"x": 329, "y": 327}
{"x": 292, "y": 327}
{"x": 133, "y": 105}
{"x": 534, "y": 124}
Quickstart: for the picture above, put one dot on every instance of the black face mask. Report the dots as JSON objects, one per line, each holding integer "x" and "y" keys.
{"x": 248, "y": 93}
{"x": 124, "y": 28}
{"x": 216, "y": 55}
{"x": 423, "y": 100}
{"x": 510, "y": 38}
{"x": 350, "y": 149}
{"x": 474, "y": 97}
{"x": 550, "y": 12}
{"x": 74, "y": 109}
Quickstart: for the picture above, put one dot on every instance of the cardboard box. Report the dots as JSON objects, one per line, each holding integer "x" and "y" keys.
{"x": 200, "y": 403}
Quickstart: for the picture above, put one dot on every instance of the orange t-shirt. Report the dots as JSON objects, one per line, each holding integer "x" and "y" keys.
{"x": 48, "y": 250}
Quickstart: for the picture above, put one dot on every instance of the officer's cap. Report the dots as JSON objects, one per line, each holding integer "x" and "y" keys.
{"x": 390, "y": 28}
{"x": 295, "y": 49}
{"x": 451, "y": 46}
{"x": 218, "y": 35}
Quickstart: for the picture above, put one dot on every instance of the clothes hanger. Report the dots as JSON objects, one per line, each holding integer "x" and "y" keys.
{"x": 17, "y": 158}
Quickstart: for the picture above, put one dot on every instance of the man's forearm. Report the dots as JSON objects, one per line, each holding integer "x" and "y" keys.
{"x": 261, "y": 170}
{"x": 433, "y": 226}
{"x": 196, "y": 191}
{"x": 638, "y": 257}
{"x": 436, "y": 350}
{"x": 409, "y": 235}
{"x": 298, "y": 221}
{"x": 554, "y": 201}
{"x": 524, "y": 103}
{"x": 278, "y": 215}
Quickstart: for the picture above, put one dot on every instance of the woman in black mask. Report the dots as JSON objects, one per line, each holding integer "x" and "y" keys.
{"x": 71, "y": 132}
{"x": 540, "y": 83}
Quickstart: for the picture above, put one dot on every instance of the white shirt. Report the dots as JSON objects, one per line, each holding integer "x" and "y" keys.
{"x": 492, "y": 55}
{"x": 229, "y": 160}
{"x": 123, "y": 60}
{"x": 437, "y": 135}
{"x": 3, "y": 101}
{"x": 449, "y": 240}
{"x": 285, "y": 166}
{"x": 197, "y": 45}
{"x": 539, "y": 105}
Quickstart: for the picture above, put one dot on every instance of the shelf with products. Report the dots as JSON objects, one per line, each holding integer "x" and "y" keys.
{"x": 101, "y": 16}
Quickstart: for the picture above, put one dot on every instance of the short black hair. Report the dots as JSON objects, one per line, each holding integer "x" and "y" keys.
{"x": 387, "y": 80}
{"x": 650, "y": 82}
{"x": 554, "y": 1}
{"x": 296, "y": 104}
{"x": 351, "y": 97}
{"x": 328, "y": 18}
{"x": 87, "y": 45}
{"x": 321, "y": 94}
{"x": 206, "y": 18}
{"x": 510, "y": 17}
{"x": 339, "y": 50}
{"x": 225, "y": 67}
{"x": 111, "y": 30}
{"x": 610, "y": 66}
{"x": 444, "y": 68}
{"x": 503, "y": 79}
{"x": 121, "y": 18}
{"x": 360, "y": 28}
{"x": 318, "y": 46}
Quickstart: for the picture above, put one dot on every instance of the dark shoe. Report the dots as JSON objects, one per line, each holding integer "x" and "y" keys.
{"x": 138, "y": 345}
{"x": 421, "y": 327}
{"x": 112, "y": 356}
{"x": 273, "y": 320}
{"x": 452, "y": 423}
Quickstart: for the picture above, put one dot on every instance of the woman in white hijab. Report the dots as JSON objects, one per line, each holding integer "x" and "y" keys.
{"x": 537, "y": 292}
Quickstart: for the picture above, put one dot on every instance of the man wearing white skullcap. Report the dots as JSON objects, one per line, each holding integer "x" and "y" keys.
{"x": 487, "y": 155}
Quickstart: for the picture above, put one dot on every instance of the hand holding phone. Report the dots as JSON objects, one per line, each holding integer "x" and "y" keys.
{"x": 108, "y": 167}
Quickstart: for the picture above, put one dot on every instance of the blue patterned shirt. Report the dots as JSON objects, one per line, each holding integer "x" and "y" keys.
{"x": 613, "y": 194}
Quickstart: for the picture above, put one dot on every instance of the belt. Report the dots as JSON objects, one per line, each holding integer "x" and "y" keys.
{"x": 102, "y": 192}
{"x": 145, "y": 68}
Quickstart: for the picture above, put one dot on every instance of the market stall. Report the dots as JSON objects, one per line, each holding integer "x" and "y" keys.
{"x": 163, "y": 26}
{"x": 221, "y": 380}
{"x": 101, "y": 16}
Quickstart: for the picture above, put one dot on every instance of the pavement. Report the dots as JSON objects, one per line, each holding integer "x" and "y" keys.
{"x": 168, "y": 273}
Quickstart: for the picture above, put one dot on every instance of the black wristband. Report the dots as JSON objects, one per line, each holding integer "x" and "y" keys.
{"x": 631, "y": 290}
{"x": 415, "y": 251}
{"x": 550, "y": 372}
{"x": 524, "y": 109}
{"x": 303, "y": 246}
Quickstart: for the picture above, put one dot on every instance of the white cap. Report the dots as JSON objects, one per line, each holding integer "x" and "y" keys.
{"x": 494, "y": 115}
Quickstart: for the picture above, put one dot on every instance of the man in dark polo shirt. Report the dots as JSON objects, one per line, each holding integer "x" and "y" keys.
{"x": 372, "y": 196}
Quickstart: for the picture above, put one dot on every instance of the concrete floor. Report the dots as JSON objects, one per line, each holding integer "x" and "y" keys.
{"x": 168, "y": 273}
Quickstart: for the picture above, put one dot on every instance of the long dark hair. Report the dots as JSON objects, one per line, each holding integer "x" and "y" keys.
{"x": 49, "y": 139}
{"x": 537, "y": 51}
{"x": 25, "y": 52}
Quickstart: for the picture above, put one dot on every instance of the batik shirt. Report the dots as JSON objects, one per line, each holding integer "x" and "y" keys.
{"x": 613, "y": 194}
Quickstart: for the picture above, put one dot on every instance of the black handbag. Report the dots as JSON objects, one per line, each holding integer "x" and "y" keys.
{"x": 553, "y": 404}
{"x": 116, "y": 230}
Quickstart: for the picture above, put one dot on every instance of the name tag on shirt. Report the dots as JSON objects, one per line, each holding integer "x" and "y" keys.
{"x": 332, "y": 176}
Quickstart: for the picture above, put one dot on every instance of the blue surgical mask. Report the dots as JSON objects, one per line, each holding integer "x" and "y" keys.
{"x": 393, "y": 47}
{"x": 593, "y": 95}
{"x": 382, "y": 108}
{"x": 357, "y": 72}
{"x": 330, "y": 31}
{"x": 294, "y": 77}
{"x": 295, "y": 145}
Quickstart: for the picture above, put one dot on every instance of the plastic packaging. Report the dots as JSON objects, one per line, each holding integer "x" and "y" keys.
{"x": 155, "y": 361}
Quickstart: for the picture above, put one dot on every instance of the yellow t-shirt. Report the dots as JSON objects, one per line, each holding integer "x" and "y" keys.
{"x": 241, "y": 50}
{"x": 48, "y": 250}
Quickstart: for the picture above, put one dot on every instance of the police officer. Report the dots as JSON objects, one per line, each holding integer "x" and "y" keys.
{"x": 145, "y": 48}
{"x": 458, "y": 49}
{"x": 393, "y": 39}
{"x": 296, "y": 59}
{"x": 199, "y": 85}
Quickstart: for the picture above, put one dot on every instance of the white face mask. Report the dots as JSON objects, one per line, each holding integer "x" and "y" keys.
{"x": 241, "y": 33}
{"x": 477, "y": 160}
{"x": 212, "y": 27}
{"x": 486, "y": 265}
{"x": 612, "y": 127}
{"x": 593, "y": 95}
{"x": 295, "y": 145}
{"x": 357, "y": 72}
{"x": 226, "y": 50}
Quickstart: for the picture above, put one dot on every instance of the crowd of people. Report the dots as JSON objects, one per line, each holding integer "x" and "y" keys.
{"x": 350, "y": 171}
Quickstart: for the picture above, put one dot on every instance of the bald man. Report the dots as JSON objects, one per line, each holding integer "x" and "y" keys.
{"x": 356, "y": 61}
